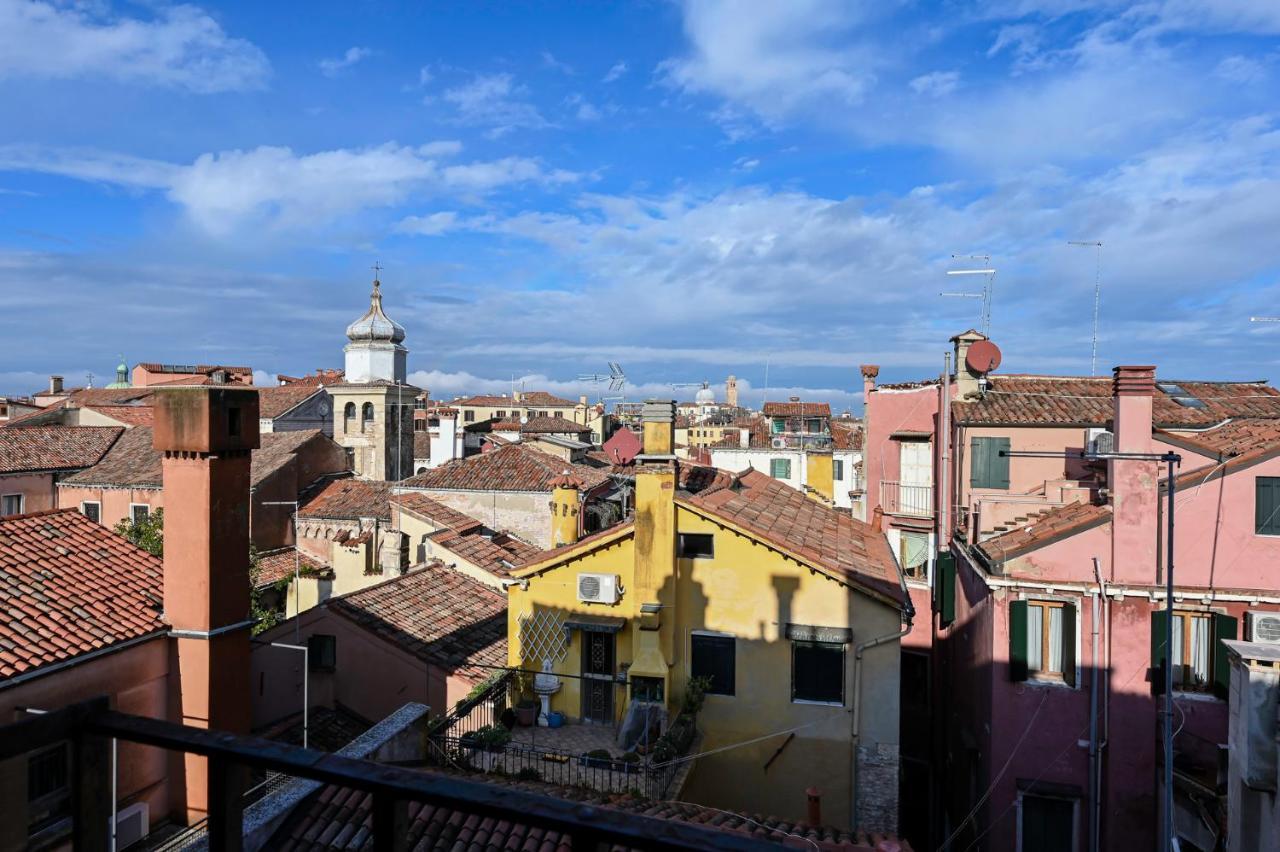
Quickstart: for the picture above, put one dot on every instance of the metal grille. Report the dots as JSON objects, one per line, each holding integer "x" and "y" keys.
{"x": 543, "y": 636}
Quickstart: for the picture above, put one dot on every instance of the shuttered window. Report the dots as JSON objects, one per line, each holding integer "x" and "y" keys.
{"x": 780, "y": 468}
{"x": 987, "y": 468}
{"x": 1267, "y": 505}
{"x": 944, "y": 588}
{"x": 1042, "y": 641}
{"x": 1200, "y": 661}
{"x": 713, "y": 657}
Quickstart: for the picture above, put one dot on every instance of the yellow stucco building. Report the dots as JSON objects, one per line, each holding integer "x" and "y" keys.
{"x": 791, "y": 608}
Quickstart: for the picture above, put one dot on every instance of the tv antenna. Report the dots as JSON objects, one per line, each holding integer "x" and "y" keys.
{"x": 988, "y": 286}
{"x": 1097, "y": 296}
{"x": 616, "y": 379}
{"x": 1264, "y": 319}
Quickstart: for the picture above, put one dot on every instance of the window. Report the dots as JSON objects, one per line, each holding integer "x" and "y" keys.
{"x": 501, "y": 415}
{"x": 349, "y": 417}
{"x": 1042, "y": 641}
{"x": 322, "y": 652}
{"x": 557, "y": 413}
{"x": 646, "y": 689}
{"x": 366, "y": 416}
{"x": 11, "y": 504}
{"x": 1199, "y": 657}
{"x": 780, "y": 468}
{"x": 92, "y": 510}
{"x": 913, "y": 554}
{"x": 468, "y": 417}
{"x": 1047, "y": 824}
{"x": 713, "y": 657}
{"x": 987, "y": 468}
{"x": 1266, "y": 506}
{"x": 48, "y": 788}
{"x": 817, "y": 672}
{"x": 233, "y": 421}
{"x": 837, "y": 469}
{"x": 139, "y": 512}
{"x": 696, "y": 546}
{"x": 779, "y": 426}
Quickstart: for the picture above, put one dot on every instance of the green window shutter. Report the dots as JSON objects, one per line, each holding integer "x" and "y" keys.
{"x": 1267, "y": 505}
{"x": 977, "y": 462}
{"x": 1069, "y": 644}
{"x": 1224, "y": 627}
{"x": 780, "y": 468}
{"x": 999, "y": 465}
{"x": 944, "y": 584}
{"x": 1159, "y": 619}
{"x": 1018, "y": 640}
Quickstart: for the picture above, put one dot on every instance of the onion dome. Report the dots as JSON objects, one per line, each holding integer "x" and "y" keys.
{"x": 375, "y": 326}
{"x": 705, "y": 396}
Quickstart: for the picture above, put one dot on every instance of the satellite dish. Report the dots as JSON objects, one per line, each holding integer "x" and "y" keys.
{"x": 983, "y": 357}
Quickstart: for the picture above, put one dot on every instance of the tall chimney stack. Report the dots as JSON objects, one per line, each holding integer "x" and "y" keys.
{"x": 966, "y": 378}
{"x": 1133, "y": 484}
{"x": 869, "y": 373}
{"x": 55, "y": 384}
{"x": 206, "y": 435}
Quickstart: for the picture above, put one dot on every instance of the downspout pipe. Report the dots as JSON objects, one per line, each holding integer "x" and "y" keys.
{"x": 1095, "y": 774}
{"x": 908, "y": 616}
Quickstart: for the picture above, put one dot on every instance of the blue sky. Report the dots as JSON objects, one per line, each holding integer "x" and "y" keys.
{"x": 692, "y": 189}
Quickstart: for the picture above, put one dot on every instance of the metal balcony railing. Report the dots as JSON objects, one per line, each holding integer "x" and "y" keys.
{"x": 914, "y": 500}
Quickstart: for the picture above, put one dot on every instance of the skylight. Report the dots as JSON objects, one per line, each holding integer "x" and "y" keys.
{"x": 1179, "y": 395}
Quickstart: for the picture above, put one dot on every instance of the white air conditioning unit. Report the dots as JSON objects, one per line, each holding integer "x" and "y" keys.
{"x": 1263, "y": 627}
{"x": 1099, "y": 442}
{"x": 779, "y": 443}
{"x": 132, "y": 824}
{"x": 598, "y": 588}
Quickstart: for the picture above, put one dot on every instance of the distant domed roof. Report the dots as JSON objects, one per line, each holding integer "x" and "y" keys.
{"x": 705, "y": 396}
{"x": 375, "y": 326}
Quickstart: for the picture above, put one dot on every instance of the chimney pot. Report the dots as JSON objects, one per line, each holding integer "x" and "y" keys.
{"x": 55, "y": 384}
{"x": 877, "y": 519}
{"x": 814, "y": 815}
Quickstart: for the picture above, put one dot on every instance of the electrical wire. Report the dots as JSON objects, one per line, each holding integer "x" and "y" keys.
{"x": 770, "y": 829}
{"x": 690, "y": 757}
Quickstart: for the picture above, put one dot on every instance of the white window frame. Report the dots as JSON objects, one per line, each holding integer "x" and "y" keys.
{"x": 97, "y": 503}
{"x": 133, "y": 506}
{"x": 22, "y": 503}
{"x": 1075, "y": 818}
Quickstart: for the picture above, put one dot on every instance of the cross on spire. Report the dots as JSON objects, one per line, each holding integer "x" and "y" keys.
{"x": 377, "y": 267}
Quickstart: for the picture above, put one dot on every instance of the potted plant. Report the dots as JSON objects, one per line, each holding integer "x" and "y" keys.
{"x": 597, "y": 758}
{"x": 527, "y": 712}
{"x": 495, "y": 737}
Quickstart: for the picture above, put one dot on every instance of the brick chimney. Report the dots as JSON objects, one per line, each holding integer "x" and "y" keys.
{"x": 869, "y": 373}
{"x": 566, "y": 507}
{"x": 966, "y": 379}
{"x": 206, "y": 435}
{"x": 1133, "y": 485}
{"x": 655, "y": 543}
{"x": 55, "y": 384}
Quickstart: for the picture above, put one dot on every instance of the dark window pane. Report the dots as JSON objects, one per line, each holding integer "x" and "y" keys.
{"x": 697, "y": 546}
{"x": 322, "y": 652}
{"x": 817, "y": 672}
{"x": 713, "y": 657}
{"x": 1048, "y": 824}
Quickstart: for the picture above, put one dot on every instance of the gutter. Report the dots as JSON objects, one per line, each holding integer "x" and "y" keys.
{"x": 82, "y": 658}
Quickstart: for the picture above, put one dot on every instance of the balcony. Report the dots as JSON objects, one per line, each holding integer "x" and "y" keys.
{"x": 912, "y": 500}
{"x": 800, "y": 440}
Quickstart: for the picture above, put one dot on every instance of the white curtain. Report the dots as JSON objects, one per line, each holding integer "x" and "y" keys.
{"x": 1055, "y": 640}
{"x": 1200, "y": 644}
{"x": 1035, "y": 626}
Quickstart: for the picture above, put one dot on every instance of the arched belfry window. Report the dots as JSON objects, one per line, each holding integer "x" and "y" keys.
{"x": 366, "y": 416}
{"x": 349, "y": 417}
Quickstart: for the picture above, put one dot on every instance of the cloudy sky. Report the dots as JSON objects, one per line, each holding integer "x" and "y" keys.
{"x": 692, "y": 189}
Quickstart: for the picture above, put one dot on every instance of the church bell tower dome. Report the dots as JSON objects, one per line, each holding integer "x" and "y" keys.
{"x": 375, "y": 326}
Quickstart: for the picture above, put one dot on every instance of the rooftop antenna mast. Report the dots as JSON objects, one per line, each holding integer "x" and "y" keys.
{"x": 1097, "y": 296}
{"x": 596, "y": 379}
{"x": 1264, "y": 319}
{"x": 617, "y": 382}
{"x": 988, "y": 286}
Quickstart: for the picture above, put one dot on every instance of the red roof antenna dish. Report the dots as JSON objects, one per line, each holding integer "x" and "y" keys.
{"x": 983, "y": 357}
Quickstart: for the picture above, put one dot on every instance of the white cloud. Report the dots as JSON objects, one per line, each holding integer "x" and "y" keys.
{"x": 550, "y": 61}
{"x": 335, "y": 66}
{"x": 746, "y": 164}
{"x": 774, "y": 58}
{"x": 424, "y": 75}
{"x": 493, "y": 100}
{"x": 616, "y": 71}
{"x": 431, "y": 225}
{"x": 278, "y": 189}
{"x": 1241, "y": 69}
{"x": 180, "y": 46}
{"x": 583, "y": 109}
{"x": 935, "y": 84}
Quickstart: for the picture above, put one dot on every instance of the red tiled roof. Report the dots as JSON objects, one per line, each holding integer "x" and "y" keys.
{"x": 1087, "y": 401}
{"x": 130, "y": 415}
{"x": 496, "y": 553}
{"x": 316, "y": 379}
{"x": 505, "y": 426}
{"x": 134, "y": 462}
{"x": 553, "y": 425}
{"x": 349, "y": 500}
{"x": 1233, "y": 438}
{"x": 31, "y": 448}
{"x": 189, "y": 369}
{"x": 828, "y": 537}
{"x": 487, "y": 400}
{"x": 276, "y": 401}
{"x": 846, "y": 437}
{"x": 422, "y": 445}
{"x": 541, "y": 398}
{"x": 439, "y": 615}
{"x": 797, "y": 409}
{"x": 434, "y": 511}
{"x": 334, "y": 817}
{"x": 1053, "y": 524}
{"x": 69, "y": 586}
{"x": 516, "y": 467}
{"x": 279, "y": 564}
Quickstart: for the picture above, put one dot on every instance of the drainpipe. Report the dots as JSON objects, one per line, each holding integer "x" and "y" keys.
{"x": 908, "y": 615}
{"x": 1095, "y": 791}
{"x": 944, "y": 428}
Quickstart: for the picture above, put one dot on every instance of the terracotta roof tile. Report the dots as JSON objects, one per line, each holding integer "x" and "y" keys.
{"x": 69, "y": 586}
{"x": 846, "y": 437}
{"x": 516, "y": 467}
{"x": 421, "y": 445}
{"x": 130, "y": 415}
{"x": 32, "y": 448}
{"x": 276, "y": 565}
{"x": 1087, "y": 401}
{"x": 276, "y": 401}
{"x": 349, "y": 499}
{"x": 1233, "y": 438}
{"x": 434, "y": 511}
{"x": 1052, "y": 524}
{"x": 495, "y": 552}
{"x": 542, "y": 398}
{"x": 552, "y": 425}
{"x": 439, "y": 615}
